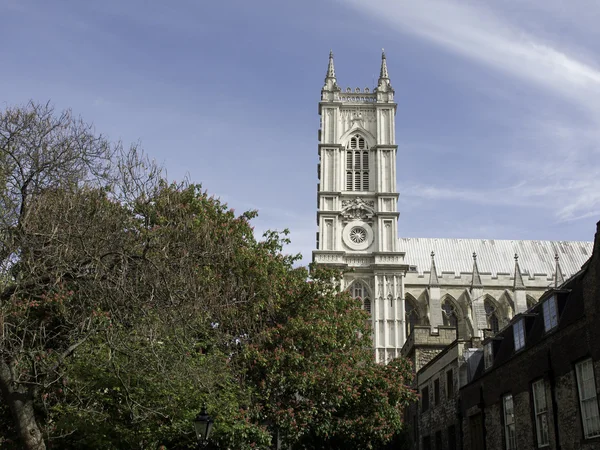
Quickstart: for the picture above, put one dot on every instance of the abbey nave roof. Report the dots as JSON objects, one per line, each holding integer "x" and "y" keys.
{"x": 495, "y": 256}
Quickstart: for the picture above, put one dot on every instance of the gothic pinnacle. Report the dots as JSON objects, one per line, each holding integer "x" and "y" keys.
{"x": 518, "y": 283}
{"x": 383, "y": 73}
{"x": 330, "y": 67}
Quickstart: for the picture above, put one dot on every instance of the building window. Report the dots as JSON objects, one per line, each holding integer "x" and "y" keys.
{"x": 540, "y": 410}
{"x": 450, "y": 384}
{"x": 550, "y": 315}
{"x": 491, "y": 316}
{"x": 359, "y": 291}
{"x": 588, "y": 401}
{"x": 424, "y": 399}
{"x": 357, "y": 164}
{"x": 436, "y": 391}
{"x": 367, "y": 305}
{"x": 438, "y": 440}
{"x": 519, "y": 334}
{"x": 426, "y": 442}
{"x": 488, "y": 355}
{"x": 449, "y": 314}
{"x": 451, "y": 437}
{"x": 510, "y": 437}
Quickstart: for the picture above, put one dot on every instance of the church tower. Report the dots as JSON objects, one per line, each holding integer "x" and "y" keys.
{"x": 357, "y": 202}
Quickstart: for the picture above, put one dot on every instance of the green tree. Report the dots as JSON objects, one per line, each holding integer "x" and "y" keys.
{"x": 315, "y": 375}
{"x": 127, "y": 302}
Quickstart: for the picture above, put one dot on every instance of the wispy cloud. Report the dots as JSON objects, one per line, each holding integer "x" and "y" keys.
{"x": 557, "y": 154}
{"x": 478, "y": 34}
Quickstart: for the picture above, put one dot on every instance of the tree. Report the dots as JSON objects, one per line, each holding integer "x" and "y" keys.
{"x": 127, "y": 302}
{"x": 43, "y": 157}
{"x": 316, "y": 377}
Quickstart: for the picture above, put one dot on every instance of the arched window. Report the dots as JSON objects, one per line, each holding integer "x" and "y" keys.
{"x": 412, "y": 316}
{"x": 359, "y": 291}
{"x": 357, "y": 164}
{"x": 491, "y": 316}
{"x": 449, "y": 314}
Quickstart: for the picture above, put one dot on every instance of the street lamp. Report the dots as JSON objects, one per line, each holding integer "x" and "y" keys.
{"x": 203, "y": 425}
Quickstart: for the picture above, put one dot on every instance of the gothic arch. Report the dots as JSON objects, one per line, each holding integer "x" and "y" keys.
{"x": 369, "y": 138}
{"x": 452, "y": 313}
{"x": 493, "y": 313}
{"x": 360, "y": 290}
{"x": 530, "y": 301}
{"x": 412, "y": 313}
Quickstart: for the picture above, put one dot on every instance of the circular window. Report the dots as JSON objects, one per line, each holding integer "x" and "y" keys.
{"x": 358, "y": 235}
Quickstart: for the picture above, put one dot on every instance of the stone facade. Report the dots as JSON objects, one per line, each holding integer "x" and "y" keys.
{"x": 469, "y": 284}
{"x": 435, "y": 419}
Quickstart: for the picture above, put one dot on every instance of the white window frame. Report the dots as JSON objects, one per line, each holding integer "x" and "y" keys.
{"x": 540, "y": 409}
{"x": 588, "y": 398}
{"x": 550, "y": 310}
{"x": 519, "y": 334}
{"x": 510, "y": 432}
{"x": 488, "y": 355}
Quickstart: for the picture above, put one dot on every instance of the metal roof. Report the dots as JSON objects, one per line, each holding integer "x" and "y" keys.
{"x": 495, "y": 256}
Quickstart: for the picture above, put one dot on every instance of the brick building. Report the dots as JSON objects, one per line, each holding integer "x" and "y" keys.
{"x": 534, "y": 384}
{"x": 444, "y": 364}
{"x": 537, "y": 386}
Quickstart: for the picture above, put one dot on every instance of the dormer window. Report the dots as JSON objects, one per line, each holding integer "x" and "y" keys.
{"x": 550, "y": 314}
{"x": 519, "y": 334}
{"x": 357, "y": 164}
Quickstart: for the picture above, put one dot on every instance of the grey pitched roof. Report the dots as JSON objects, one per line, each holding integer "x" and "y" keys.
{"x": 495, "y": 256}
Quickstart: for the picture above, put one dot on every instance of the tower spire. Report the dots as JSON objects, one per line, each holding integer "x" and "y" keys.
{"x": 383, "y": 83}
{"x": 558, "y": 276}
{"x": 330, "y": 67}
{"x": 383, "y": 73}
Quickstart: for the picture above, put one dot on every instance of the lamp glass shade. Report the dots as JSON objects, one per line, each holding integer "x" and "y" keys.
{"x": 203, "y": 425}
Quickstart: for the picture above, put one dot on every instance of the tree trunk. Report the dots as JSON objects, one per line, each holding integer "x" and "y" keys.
{"x": 20, "y": 400}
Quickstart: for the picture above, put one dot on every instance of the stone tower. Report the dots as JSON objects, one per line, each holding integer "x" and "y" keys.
{"x": 357, "y": 202}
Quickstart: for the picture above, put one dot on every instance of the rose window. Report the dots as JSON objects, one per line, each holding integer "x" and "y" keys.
{"x": 358, "y": 235}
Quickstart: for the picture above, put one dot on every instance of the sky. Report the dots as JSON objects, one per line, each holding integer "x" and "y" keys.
{"x": 498, "y": 120}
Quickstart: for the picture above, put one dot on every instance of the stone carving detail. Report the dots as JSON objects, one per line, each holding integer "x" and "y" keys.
{"x": 358, "y": 209}
{"x": 388, "y": 259}
{"x": 358, "y": 235}
{"x": 358, "y": 261}
{"x": 368, "y": 119}
{"x": 328, "y": 258}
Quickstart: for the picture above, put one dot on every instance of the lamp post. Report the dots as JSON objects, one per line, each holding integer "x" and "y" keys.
{"x": 203, "y": 425}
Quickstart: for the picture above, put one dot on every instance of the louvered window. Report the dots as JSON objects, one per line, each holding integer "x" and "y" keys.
{"x": 357, "y": 164}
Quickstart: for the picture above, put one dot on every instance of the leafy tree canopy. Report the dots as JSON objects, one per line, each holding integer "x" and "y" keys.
{"x": 128, "y": 302}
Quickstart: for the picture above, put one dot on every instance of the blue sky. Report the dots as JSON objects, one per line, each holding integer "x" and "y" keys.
{"x": 498, "y": 102}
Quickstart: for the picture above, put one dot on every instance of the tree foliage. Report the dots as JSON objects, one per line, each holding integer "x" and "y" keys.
{"x": 127, "y": 302}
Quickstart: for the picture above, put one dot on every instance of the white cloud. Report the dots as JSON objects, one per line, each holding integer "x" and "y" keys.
{"x": 479, "y": 35}
{"x": 556, "y": 155}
